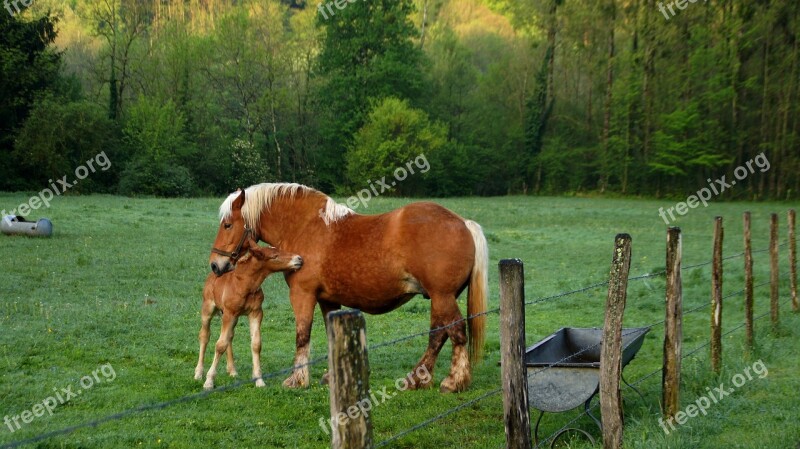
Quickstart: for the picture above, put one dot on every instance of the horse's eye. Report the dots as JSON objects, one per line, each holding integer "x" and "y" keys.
{"x": 228, "y": 225}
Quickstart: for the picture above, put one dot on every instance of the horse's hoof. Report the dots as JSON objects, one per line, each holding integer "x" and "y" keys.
{"x": 417, "y": 384}
{"x": 260, "y": 383}
{"x": 326, "y": 378}
{"x": 233, "y": 374}
{"x": 198, "y": 374}
{"x": 293, "y": 382}
{"x": 208, "y": 386}
{"x": 414, "y": 382}
{"x": 449, "y": 385}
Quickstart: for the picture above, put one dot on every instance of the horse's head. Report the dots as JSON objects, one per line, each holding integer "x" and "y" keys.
{"x": 231, "y": 238}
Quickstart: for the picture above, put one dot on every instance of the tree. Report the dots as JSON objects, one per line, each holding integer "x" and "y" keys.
{"x": 120, "y": 23}
{"x": 367, "y": 54}
{"x": 394, "y": 135}
{"x": 60, "y": 136}
{"x": 30, "y": 66}
{"x": 159, "y": 149}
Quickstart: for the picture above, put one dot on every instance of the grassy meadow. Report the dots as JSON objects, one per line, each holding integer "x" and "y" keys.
{"x": 120, "y": 284}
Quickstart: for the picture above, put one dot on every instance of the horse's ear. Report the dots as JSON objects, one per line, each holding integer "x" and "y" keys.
{"x": 239, "y": 201}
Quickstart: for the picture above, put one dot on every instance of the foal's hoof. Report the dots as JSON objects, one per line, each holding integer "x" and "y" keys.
{"x": 233, "y": 373}
{"x": 326, "y": 379}
{"x": 260, "y": 383}
{"x": 209, "y": 385}
{"x": 198, "y": 374}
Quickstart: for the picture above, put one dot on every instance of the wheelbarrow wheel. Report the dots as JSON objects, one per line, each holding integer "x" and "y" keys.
{"x": 562, "y": 432}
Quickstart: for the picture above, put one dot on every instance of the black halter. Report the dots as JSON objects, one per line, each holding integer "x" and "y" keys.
{"x": 234, "y": 256}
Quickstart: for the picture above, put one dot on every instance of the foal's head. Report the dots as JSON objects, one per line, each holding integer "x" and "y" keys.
{"x": 266, "y": 260}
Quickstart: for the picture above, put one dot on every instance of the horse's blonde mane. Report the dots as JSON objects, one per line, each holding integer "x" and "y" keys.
{"x": 260, "y": 196}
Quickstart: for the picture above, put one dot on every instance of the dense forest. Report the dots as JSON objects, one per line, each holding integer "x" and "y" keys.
{"x": 193, "y": 97}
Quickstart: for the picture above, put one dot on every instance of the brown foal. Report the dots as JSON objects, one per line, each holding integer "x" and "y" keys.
{"x": 235, "y": 294}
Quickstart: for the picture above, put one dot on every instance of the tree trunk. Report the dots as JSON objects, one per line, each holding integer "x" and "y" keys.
{"x": 609, "y": 96}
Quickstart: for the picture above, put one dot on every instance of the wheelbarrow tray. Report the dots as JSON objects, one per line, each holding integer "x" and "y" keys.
{"x": 564, "y": 368}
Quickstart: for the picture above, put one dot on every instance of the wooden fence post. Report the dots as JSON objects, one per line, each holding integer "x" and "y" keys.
{"x": 774, "y": 277}
{"x": 611, "y": 349}
{"x": 673, "y": 327}
{"x": 351, "y": 427}
{"x": 512, "y": 355}
{"x": 716, "y": 298}
{"x": 793, "y": 260}
{"x": 748, "y": 282}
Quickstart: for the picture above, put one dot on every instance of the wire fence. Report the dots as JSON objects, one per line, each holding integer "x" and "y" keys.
{"x": 645, "y": 377}
{"x": 206, "y": 393}
{"x": 570, "y": 293}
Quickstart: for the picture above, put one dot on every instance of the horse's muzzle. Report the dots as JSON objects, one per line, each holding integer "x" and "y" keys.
{"x": 219, "y": 270}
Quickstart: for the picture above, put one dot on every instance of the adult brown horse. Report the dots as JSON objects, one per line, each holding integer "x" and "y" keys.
{"x": 374, "y": 263}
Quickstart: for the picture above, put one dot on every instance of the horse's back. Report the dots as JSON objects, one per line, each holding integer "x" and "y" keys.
{"x": 422, "y": 243}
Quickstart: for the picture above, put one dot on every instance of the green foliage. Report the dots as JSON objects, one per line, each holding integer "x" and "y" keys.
{"x": 532, "y": 95}
{"x": 683, "y": 145}
{"x": 394, "y": 134}
{"x": 144, "y": 176}
{"x": 59, "y": 136}
{"x": 29, "y": 66}
{"x": 156, "y": 130}
{"x": 155, "y": 134}
{"x": 367, "y": 54}
{"x": 248, "y": 166}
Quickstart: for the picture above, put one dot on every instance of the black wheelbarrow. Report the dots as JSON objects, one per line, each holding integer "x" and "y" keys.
{"x": 564, "y": 371}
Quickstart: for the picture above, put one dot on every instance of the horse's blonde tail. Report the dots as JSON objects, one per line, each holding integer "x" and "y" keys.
{"x": 478, "y": 291}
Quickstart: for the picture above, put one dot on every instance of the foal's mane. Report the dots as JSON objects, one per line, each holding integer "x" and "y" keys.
{"x": 259, "y": 197}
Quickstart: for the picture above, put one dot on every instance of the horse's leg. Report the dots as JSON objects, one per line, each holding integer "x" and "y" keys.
{"x": 303, "y": 306}
{"x": 460, "y": 374}
{"x": 327, "y": 307}
{"x": 206, "y": 312}
{"x": 224, "y": 341}
{"x": 255, "y": 344}
{"x": 422, "y": 376}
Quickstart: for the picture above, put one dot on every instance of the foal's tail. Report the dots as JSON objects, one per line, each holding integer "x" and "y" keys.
{"x": 478, "y": 290}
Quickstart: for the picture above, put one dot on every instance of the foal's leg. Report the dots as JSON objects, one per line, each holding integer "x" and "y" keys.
{"x": 255, "y": 344}
{"x": 229, "y": 353}
{"x": 303, "y": 305}
{"x": 225, "y": 337}
{"x": 206, "y": 313}
{"x": 325, "y": 308}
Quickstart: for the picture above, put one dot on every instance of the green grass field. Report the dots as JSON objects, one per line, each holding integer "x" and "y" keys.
{"x": 120, "y": 284}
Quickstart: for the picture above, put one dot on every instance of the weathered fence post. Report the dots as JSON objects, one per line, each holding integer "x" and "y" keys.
{"x": 793, "y": 261}
{"x": 673, "y": 327}
{"x": 748, "y": 282}
{"x": 716, "y": 298}
{"x": 774, "y": 277}
{"x": 512, "y": 354}
{"x": 350, "y": 424}
{"x": 611, "y": 349}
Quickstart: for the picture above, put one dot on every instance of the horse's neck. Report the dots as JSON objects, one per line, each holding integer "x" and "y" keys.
{"x": 289, "y": 217}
